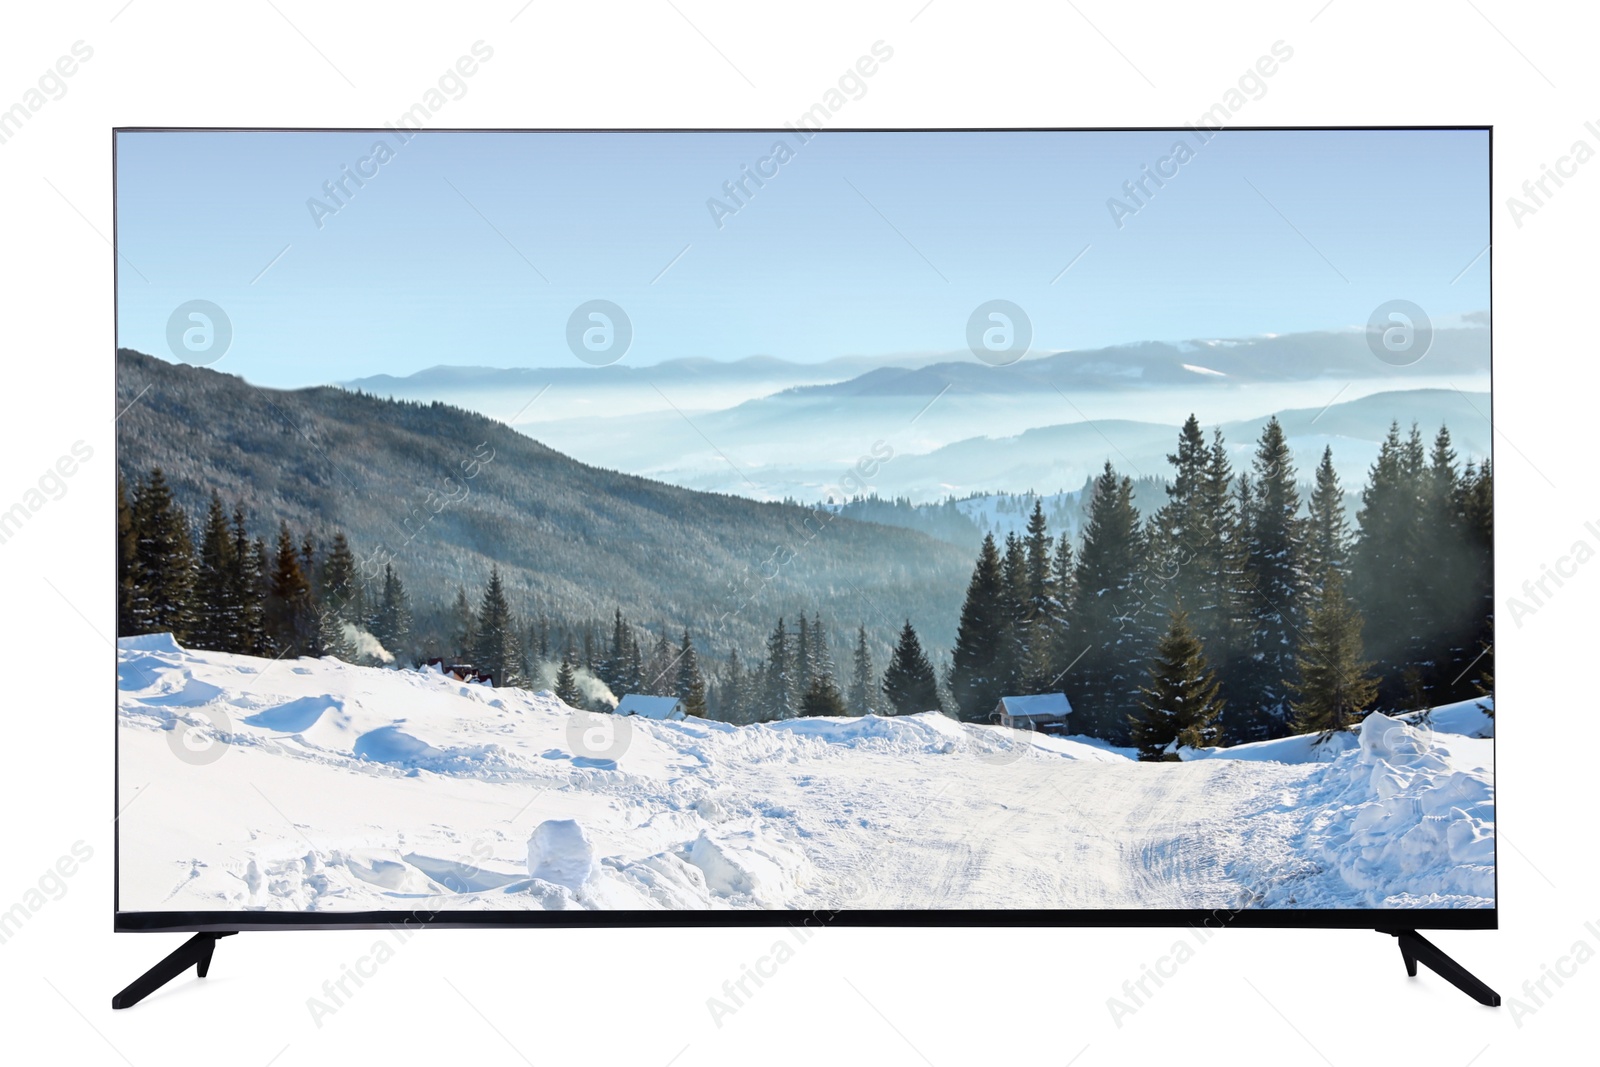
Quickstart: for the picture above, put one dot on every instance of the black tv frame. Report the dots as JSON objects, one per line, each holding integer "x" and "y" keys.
{"x": 208, "y": 926}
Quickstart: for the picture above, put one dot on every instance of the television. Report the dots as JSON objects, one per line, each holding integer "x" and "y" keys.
{"x": 1030, "y": 527}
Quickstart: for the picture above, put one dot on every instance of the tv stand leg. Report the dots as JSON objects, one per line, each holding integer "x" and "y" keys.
{"x": 1415, "y": 949}
{"x": 195, "y": 952}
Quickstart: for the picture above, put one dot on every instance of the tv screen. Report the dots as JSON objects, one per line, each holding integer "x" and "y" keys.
{"x": 1046, "y": 526}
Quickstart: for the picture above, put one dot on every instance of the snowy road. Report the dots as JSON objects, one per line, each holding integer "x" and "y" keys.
{"x": 315, "y": 785}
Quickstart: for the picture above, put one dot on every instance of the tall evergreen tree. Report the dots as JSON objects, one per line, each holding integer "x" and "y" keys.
{"x": 464, "y": 626}
{"x": 248, "y": 588}
{"x": 691, "y": 684}
{"x": 863, "y": 678}
{"x": 1334, "y": 685}
{"x": 1328, "y": 531}
{"x": 1274, "y": 560}
{"x": 392, "y": 624}
{"x": 291, "y": 613}
{"x": 779, "y": 699}
{"x": 127, "y": 545}
{"x": 1180, "y": 706}
{"x": 1388, "y": 560}
{"x": 216, "y": 609}
{"x": 660, "y": 668}
{"x": 163, "y": 564}
{"x": 567, "y": 681}
{"x": 498, "y": 651}
{"x": 1109, "y": 613}
{"x": 1014, "y": 611}
{"x": 908, "y": 683}
{"x": 977, "y": 673}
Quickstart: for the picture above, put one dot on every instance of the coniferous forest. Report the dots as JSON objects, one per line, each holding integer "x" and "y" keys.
{"x": 1248, "y": 605}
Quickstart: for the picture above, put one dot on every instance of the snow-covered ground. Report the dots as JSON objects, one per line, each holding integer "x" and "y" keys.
{"x": 319, "y": 786}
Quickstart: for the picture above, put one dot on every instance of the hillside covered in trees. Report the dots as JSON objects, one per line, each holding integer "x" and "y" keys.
{"x": 444, "y": 496}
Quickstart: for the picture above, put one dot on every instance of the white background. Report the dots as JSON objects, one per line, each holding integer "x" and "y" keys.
{"x": 942, "y": 997}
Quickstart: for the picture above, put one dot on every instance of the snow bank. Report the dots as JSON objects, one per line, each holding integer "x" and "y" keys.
{"x": 1394, "y": 823}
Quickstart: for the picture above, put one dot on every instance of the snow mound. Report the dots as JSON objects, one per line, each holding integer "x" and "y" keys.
{"x": 150, "y": 643}
{"x": 1396, "y": 822}
{"x": 559, "y": 852}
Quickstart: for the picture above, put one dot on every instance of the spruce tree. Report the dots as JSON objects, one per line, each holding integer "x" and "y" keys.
{"x": 1274, "y": 560}
{"x": 909, "y": 684}
{"x": 392, "y": 623}
{"x": 247, "y": 584}
{"x": 1015, "y": 633}
{"x": 691, "y": 684}
{"x": 464, "y": 627}
{"x": 660, "y": 669}
{"x": 216, "y": 609}
{"x": 291, "y": 614}
{"x": 733, "y": 692}
{"x": 1328, "y": 531}
{"x": 1109, "y": 613}
{"x": 1388, "y": 560}
{"x": 1334, "y": 685}
{"x": 163, "y": 564}
{"x": 567, "y": 682}
{"x": 822, "y": 697}
{"x": 977, "y": 673}
{"x": 862, "y": 677}
{"x": 498, "y": 651}
{"x": 779, "y": 698}
{"x": 1180, "y": 706}
{"x": 127, "y": 545}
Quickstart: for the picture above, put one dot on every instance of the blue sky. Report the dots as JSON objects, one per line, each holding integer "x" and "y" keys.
{"x": 474, "y": 248}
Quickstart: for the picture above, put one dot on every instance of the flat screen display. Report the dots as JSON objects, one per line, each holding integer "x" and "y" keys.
{"x": 1030, "y": 525}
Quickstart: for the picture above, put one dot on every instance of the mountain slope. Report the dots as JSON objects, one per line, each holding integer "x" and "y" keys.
{"x": 571, "y": 539}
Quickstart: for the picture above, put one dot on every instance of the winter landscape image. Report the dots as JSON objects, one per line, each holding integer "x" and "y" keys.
{"x": 808, "y": 519}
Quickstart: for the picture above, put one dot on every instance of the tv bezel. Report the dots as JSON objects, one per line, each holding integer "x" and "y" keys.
{"x": 1385, "y": 919}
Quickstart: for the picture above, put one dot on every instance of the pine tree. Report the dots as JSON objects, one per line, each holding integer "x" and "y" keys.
{"x": 822, "y": 698}
{"x": 862, "y": 677}
{"x": 803, "y": 656}
{"x": 127, "y": 545}
{"x": 216, "y": 610}
{"x": 498, "y": 652}
{"x": 248, "y": 588}
{"x": 908, "y": 683}
{"x": 1180, "y": 706}
{"x": 1328, "y": 531}
{"x": 1334, "y": 685}
{"x": 779, "y": 698}
{"x": 1388, "y": 561}
{"x": 463, "y": 626}
{"x": 1043, "y": 617}
{"x": 660, "y": 670}
{"x": 733, "y": 691}
{"x": 1109, "y": 615}
{"x": 392, "y": 624}
{"x": 291, "y": 615}
{"x": 977, "y": 673}
{"x": 1065, "y": 644}
{"x": 163, "y": 564}
{"x": 1274, "y": 561}
{"x": 567, "y": 682}
{"x": 615, "y": 669}
{"x": 1014, "y": 611}
{"x": 691, "y": 684}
